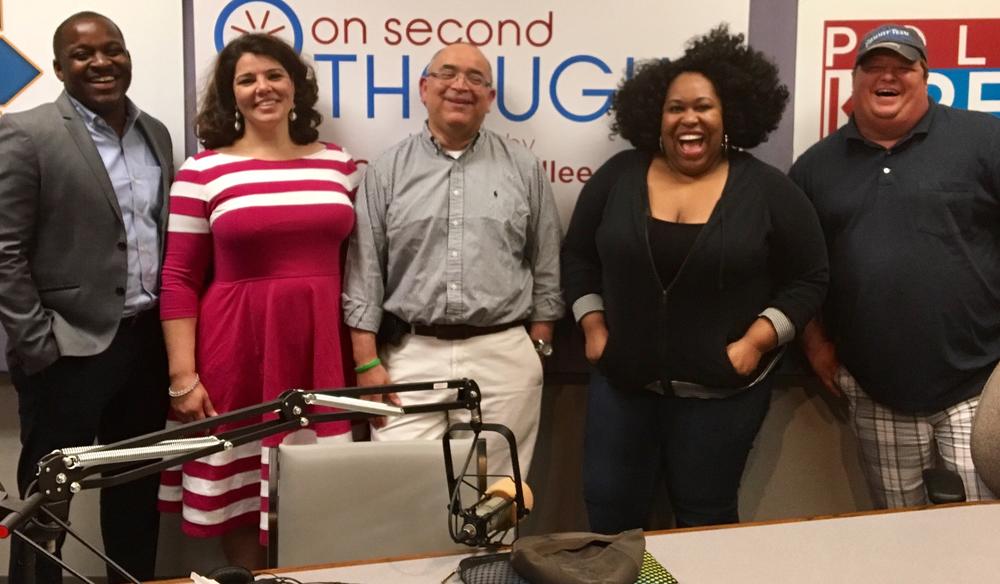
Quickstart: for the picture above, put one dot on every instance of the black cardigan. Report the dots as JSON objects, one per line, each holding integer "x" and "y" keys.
{"x": 761, "y": 247}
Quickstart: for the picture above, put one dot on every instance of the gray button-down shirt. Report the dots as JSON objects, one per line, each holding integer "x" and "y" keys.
{"x": 135, "y": 176}
{"x": 440, "y": 240}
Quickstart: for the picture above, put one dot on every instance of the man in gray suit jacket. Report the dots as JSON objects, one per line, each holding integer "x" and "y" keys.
{"x": 83, "y": 191}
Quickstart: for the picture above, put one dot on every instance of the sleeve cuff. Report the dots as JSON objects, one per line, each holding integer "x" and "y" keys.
{"x": 549, "y": 308}
{"x": 781, "y": 323}
{"x": 47, "y": 355}
{"x": 587, "y": 304}
{"x": 360, "y": 316}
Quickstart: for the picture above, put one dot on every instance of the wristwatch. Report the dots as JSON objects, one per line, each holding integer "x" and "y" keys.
{"x": 543, "y": 348}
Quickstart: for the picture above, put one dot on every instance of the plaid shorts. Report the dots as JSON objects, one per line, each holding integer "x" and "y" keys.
{"x": 897, "y": 447}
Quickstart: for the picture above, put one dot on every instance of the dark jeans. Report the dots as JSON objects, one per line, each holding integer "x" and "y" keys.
{"x": 699, "y": 446}
{"x": 117, "y": 394}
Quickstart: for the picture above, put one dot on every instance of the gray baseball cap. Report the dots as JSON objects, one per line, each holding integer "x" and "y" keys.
{"x": 898, "y": 38}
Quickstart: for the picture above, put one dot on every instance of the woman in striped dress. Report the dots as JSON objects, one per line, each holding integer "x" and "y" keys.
{"x": 251, "y": 281}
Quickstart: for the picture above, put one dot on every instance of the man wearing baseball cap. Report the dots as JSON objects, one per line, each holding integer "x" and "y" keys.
{"x": 902, "y": 40}
{"x": 908, "y": 193}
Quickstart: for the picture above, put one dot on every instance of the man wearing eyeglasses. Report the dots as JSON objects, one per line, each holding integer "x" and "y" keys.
{"x": 454, "y": 262}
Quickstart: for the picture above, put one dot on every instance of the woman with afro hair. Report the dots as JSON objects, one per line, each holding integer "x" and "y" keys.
{"x": 689, "y": 264}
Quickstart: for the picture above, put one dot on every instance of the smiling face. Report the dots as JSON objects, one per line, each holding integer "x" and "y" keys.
{"x": 691, "y": 126}
{"x": 263, "y": 90}
{"x": 455, "y": 107}
{"x": 93, "y": 64}
{"x": 890, "y": 95}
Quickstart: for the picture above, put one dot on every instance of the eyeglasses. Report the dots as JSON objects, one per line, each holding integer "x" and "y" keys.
{"x": 449, "y": 76}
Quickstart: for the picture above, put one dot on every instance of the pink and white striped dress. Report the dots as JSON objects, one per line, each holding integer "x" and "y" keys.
{"x": 254, "y": 251}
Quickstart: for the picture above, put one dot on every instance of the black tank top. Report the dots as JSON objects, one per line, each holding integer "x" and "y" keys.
{"x": 669, "y": 244}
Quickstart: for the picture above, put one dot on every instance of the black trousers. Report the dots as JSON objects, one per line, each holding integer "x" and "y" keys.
{"x": 117, "y": 394}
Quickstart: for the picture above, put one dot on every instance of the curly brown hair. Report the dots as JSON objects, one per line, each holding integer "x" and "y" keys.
{"x": 215, "y": 123}
{"x": 746, "y": 81}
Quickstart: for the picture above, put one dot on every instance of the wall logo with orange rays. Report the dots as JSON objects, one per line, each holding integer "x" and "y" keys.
{"x": 274, "y": 17}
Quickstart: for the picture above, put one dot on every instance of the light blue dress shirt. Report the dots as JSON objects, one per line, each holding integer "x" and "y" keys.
{"x": 135, "y": 175}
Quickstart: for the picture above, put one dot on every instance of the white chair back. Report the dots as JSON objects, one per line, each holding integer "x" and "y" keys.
{"x": 343, "y": 502}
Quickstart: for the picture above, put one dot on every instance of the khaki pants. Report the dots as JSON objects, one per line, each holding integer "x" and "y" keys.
{"x": 509, "y": 375}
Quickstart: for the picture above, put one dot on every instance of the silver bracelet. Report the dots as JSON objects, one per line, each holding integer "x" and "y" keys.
{"x": 182, "y": 392}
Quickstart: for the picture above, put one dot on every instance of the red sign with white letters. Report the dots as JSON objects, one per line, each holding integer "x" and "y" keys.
{"x": 963, "y": 56}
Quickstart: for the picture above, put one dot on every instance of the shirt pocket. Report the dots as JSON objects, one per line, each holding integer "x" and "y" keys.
{"x": 942, "y": 208}
{"x": 507, "y": 211}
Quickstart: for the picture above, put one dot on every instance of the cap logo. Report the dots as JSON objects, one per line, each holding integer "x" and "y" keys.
{"x": 888, "y": 32}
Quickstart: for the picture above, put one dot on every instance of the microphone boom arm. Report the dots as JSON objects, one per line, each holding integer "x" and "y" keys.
{"x": 63, "y": 473}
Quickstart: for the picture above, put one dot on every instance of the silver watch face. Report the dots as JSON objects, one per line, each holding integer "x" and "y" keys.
{"x": 544, "y": 349}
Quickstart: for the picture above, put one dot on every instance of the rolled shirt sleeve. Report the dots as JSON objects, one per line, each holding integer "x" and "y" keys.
{"x": 364, "y": 270}
{"x": 547, "y": 301}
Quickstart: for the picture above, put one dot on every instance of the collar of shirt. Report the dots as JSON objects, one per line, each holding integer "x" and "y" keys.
{"x": 431, "y": 142}
{"x": 95, "y": 122}
{"x": 923, "y": 126}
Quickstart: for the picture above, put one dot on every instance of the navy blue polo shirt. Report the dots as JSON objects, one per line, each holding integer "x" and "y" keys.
{"x": 913, "y": 234}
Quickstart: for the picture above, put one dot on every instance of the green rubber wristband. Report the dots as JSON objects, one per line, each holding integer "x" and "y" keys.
{"x": 369, "y": 365}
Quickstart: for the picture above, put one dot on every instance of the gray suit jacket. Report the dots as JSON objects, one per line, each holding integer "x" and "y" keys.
{"x": 63, "y": 260}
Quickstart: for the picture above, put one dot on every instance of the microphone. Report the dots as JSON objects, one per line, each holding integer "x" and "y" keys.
{"x": 495, "y": 512}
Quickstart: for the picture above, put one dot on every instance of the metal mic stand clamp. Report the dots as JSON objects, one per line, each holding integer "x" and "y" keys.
{"x": 483, "y": 524}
